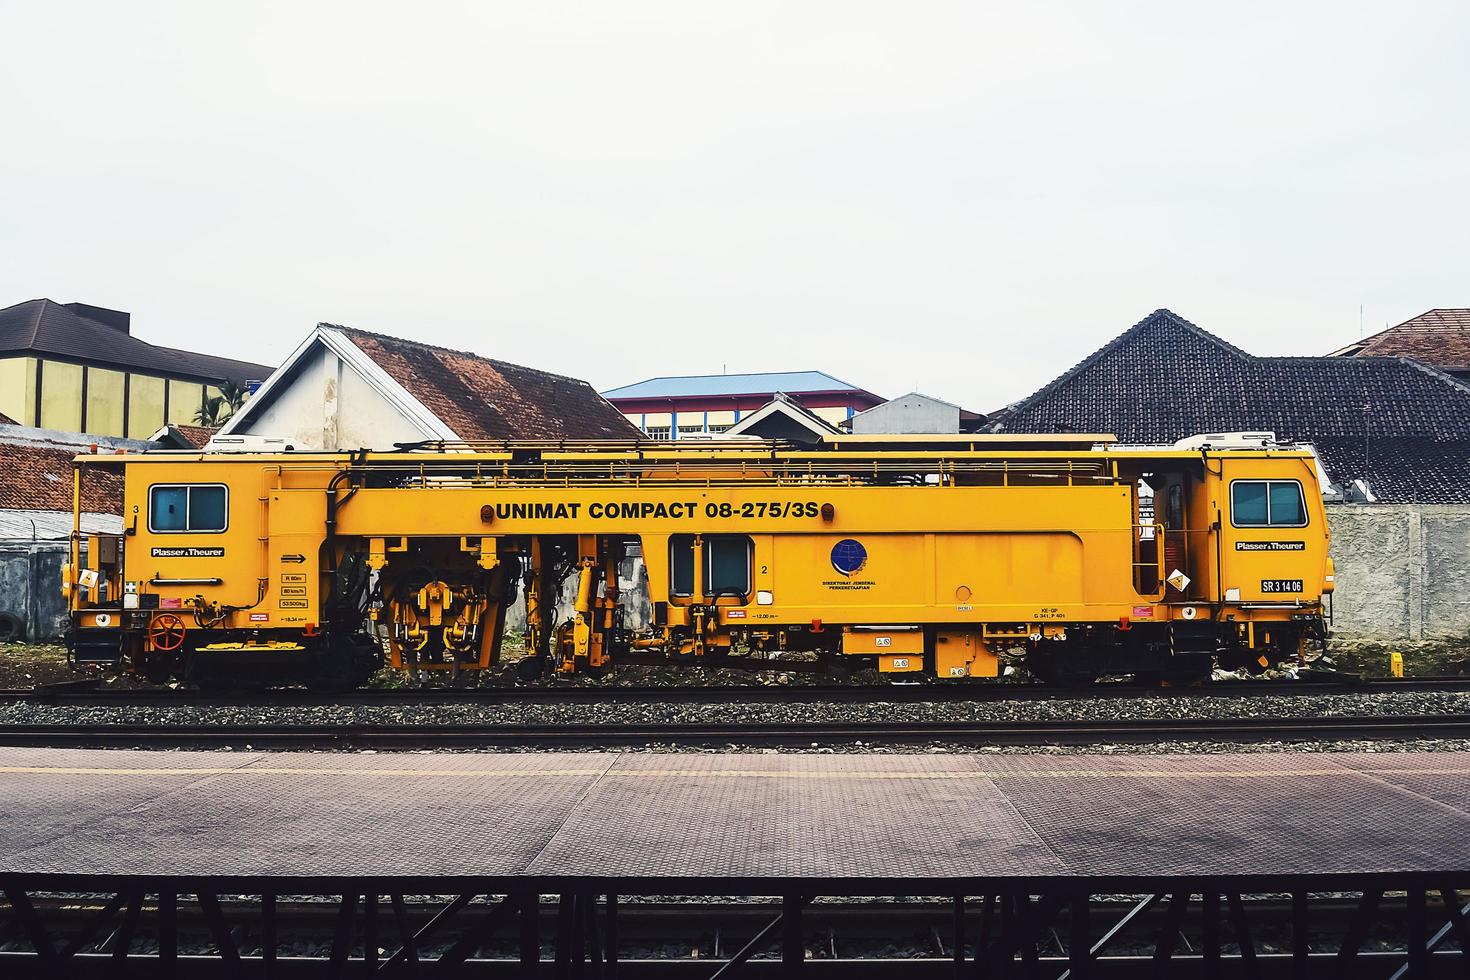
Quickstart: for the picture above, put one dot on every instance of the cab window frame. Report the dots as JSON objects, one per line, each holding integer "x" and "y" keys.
{"x": 682, "y": 545}
{"x": 709, "y": 567}
{"x": 188, "y": 489}
{"x": 1269, "y": 523}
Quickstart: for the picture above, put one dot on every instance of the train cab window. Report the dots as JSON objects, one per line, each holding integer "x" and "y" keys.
{"x": 727, "y": 564}
{"x": 681, "y": 564}
{"x": 1267, "y": 503}
{"x": 727, "y": 560}
{"x": 188, "y": 508}
{"x": 1175, "y": 517}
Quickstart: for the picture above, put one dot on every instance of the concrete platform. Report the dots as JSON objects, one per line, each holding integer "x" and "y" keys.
{"x": 668, "y": 818}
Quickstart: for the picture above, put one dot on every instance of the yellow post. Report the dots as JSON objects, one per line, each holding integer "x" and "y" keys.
{"x": 1396, "y": 664}
{"x": 74, "y": 551}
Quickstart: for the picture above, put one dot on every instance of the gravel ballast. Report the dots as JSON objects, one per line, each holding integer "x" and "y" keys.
{"x": 613, "y": 711}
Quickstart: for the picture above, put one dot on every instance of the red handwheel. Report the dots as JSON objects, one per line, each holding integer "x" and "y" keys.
{"x": 166, "y": 632}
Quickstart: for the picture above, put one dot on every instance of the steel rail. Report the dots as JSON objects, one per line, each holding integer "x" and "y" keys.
{"x": 1005, "y": 733}
{"x": 87, "y": 693}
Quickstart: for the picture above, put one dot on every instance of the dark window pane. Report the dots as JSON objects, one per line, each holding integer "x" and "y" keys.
{"x": 1287, "y": 508}
{"x": 1248, "y": 503}
{"x": 207, "y": 509}
{"x": 1176, "y": 507}
{"x": 681, "y": 565}
{"x": 168, "y": 508}
{"x": 727, "y": 564}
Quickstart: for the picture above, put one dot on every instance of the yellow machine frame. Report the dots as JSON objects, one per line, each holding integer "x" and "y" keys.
{"x": 914, "y": 554}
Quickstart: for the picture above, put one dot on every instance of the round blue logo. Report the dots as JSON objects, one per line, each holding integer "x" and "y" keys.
{"x": 849, "y": 556}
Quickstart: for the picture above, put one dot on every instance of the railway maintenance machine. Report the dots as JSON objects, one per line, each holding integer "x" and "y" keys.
{"x": 915, "y": 555}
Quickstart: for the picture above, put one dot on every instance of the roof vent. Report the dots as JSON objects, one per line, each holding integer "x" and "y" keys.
{"x": 116, "y": 319}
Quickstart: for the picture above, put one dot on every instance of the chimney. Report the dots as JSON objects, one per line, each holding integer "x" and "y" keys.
{"x": 116, "y": 319}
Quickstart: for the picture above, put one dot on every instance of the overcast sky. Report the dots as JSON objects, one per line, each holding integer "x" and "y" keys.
{"x": 961, "y": 198}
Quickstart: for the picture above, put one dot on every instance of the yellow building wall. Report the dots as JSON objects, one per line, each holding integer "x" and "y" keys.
{"x": 105, "y": 402}
{"x": 61, "y": 396}
{"x": 145, "y": 406}
{"x": 18, "y": 389}
{"x": 185, "y": 398}
{"x": 833, "y": 415}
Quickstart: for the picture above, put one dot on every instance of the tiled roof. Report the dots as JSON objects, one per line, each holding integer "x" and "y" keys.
{"x": 175, "y": 435}
{"x": 42, "y": 326}
{"x": 1402, "y": 427}
{"x": 39, "y": 477}
{"x": 704, "y": 385}
{"x": 1439, "y": 338}
{"x": 7, "y": 420}
{"x": 480, "y": 398}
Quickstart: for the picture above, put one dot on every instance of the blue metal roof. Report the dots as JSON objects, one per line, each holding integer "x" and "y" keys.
{"x": 691, "y": 386}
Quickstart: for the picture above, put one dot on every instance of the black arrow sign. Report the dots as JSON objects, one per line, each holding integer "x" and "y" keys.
{"x": 293, "y": 559}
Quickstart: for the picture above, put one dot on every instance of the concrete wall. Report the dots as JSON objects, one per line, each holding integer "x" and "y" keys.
{"x": 908, "y": 414}
{"x": 30, "y": 586}
{"x": 1403, "y": 570}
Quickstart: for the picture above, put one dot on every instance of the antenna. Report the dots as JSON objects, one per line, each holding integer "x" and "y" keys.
{"x": 1360, "y": 321}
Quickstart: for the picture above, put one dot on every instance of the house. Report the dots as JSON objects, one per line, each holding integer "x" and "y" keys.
{"x": 675, "y": 407}
{"x": 344, "y": 388}
{"x": 1438, "y": 338}
{"x": 73, "y": 367}
{"x": 1398, "y": 426}
{"x": 36, "y": 521}
{"x": 915, "y": 414}
{"x": 783, "y": 417}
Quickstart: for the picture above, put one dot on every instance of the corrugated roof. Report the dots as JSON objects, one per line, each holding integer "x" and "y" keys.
{"x": 52, "y": 525}
{"x": 481, "y": 398}
{"x": 1401, "y": 426}
{"x": 43, "y": 326}
{"x": 691, "y": 386}
{"x": 1439, "y": 338}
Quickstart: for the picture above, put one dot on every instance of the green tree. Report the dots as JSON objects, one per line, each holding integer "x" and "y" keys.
{"x": 209, "y": 413}
{"x": 233, "y": 395}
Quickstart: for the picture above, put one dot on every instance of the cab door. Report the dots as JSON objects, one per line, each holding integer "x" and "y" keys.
{"x": 1268, "y": 528}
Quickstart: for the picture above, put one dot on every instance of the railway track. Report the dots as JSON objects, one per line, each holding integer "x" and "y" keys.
{"x": 88, "y": 692}
{"x": 697, "y": 735}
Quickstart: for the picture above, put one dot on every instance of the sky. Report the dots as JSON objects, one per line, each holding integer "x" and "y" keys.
{"x": 959, "y": 198}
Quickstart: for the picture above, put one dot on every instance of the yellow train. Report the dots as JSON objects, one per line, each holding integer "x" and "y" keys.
{"x": 917, "y": 555}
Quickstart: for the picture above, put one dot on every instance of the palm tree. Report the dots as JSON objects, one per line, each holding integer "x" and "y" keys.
{"x": 209, "y": 413}
{"x": 233, "y": 395}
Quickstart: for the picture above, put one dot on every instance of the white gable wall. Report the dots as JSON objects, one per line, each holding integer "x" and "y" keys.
{"x": 910, "y": 414}
{"x": 326, "y": 403}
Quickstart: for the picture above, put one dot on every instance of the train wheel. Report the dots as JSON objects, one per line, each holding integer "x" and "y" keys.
{"x": 346, "y": 664}
{"x": 528, "y": 670}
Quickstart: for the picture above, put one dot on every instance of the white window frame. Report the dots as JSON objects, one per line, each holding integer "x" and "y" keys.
{"x": 188, "y": 489}
{"x": 1301, "y": 496}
